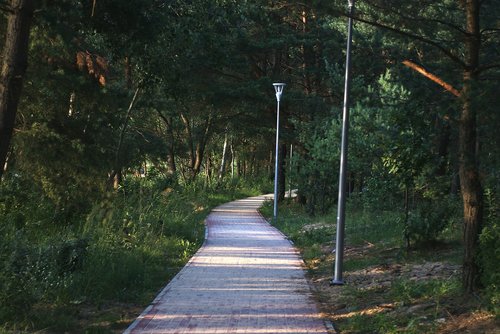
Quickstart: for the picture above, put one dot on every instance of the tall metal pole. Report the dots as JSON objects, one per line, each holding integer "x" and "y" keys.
{"x": 278, "y": 87}
{"x": 339, "y": 245}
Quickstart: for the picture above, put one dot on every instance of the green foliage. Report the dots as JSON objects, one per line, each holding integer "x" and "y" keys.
{"x": 431, "y": 218}
{"x": 122, "y": 250}
{"x": 316, "y": 174}
{"x": 204, "y": 70}
{"x": 489, "y": 253}
{"x": 372, "y": 226}
{"x": 376, "y": 300}
{"x": 299, "y": 227}
{"x": 409, "y": 292}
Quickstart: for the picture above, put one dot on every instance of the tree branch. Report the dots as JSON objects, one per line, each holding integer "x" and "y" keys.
{"x": 488, "y": 67}
{"x": 432, "y": 77}
{"x": 93, "y": 8}
{"x": 490, "y": 30}
{"x": 422, "y": 39}
{"x": 418, "y": 19}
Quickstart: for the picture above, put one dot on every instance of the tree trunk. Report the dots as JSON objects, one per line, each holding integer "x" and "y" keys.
{"x": 116, "y": 175}
{"x": 189, "y": 139}
{"x": 270, "y": 164}
{"x": 443, "y": 129}
{"x": 208, "y": 171}
{"x": 201, "y": 146}
{"x": 117, "y": 179}
{"x": 471, "y": 188}
{"x": 468, "y": 158}
{"x": 172, "y": 168}
{"x": 233, "y": 161}
{"x": 199, "y": 153}
{"x": 223, "y": 161}
{"x": 15, "y": 62}
{"x": 128, "y": 72}
{"x": 282, "y": 171}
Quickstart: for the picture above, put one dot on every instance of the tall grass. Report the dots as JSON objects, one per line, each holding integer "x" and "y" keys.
{"x": 123, "y": 250}
{"x": 361, "y": 225}
{"x": 379, "y": 269}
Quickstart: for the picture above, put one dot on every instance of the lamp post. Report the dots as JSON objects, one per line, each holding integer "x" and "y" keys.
{"x": 278, "y": 87}
{"x": 339, "y": 245}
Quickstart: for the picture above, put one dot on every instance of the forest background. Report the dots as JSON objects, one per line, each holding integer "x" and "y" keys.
{"x": 133, "y": 118}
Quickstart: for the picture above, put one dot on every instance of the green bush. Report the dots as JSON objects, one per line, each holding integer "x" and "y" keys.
{"x": 316, "y": 172}
{"x": 126, "y": 247}
{"x": 33, "y": 273}
{"x": 430, "y": 218}
{"x": 489, "y": 253}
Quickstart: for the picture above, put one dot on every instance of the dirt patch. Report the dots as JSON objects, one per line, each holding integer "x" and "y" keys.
{"x": 381, "y": 276}
{"x": 115, "y": 317}
{"x": 369, "y": 293}
{"x": 470, "y": 323}
{"x": 316, "y": 226}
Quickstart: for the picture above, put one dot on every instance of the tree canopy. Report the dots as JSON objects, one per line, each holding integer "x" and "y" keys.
{"x": 117, "y": 89}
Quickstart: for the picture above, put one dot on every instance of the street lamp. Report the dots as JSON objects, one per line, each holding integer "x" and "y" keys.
{"x": 278, "y": 87}
{"x": 339, "y": 245}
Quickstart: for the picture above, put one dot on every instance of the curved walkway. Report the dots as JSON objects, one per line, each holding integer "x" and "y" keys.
{"x": 246, "y": 278}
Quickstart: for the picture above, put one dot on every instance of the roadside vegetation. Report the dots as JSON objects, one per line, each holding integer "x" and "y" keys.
{"x": 123, "y": 122}
{"x": 389, "y": 288}
{"x": 95, "y": 270}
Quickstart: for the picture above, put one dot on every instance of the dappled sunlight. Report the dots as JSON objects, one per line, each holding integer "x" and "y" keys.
{"x": 242, "y": 206}
{"x": 263, "y": 320}
{"x": 233, "y": 210}
{"x": 247, "y": 278}
{"x": 369, "y": 311}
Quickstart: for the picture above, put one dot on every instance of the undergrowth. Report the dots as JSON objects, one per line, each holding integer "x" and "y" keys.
{"x": 58, "y": 270}
{"x": 389, "y": 288}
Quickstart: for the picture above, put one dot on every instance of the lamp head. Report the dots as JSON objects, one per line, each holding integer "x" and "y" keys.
{"x": 278, "y": 88}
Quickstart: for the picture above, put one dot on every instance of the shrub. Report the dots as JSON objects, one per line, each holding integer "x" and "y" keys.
{"x": 489, "y": 253}
{"x": 431, "y": 218}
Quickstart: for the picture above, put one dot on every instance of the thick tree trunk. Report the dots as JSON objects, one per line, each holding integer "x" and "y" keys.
{"x": 471, "y": 188}
{"x": 468, "y": 158}
{"x": 15, "y": 62}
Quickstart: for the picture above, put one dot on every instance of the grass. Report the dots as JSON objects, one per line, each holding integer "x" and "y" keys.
{"x": 389, "y": 289}
{"x": 97, "y": 272}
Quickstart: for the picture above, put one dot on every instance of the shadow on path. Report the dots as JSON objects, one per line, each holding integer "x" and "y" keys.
{"x": 246, "y": 278}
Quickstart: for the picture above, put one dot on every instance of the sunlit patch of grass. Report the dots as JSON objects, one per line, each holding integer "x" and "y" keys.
{"x": 431, "y": 291}
{"x": 359, "y": 263}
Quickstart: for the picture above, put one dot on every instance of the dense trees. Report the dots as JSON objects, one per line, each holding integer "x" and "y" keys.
{"x": 14, "y": 63}
{"x": 183, "y": 90}
{"x": 463, "y": 34}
